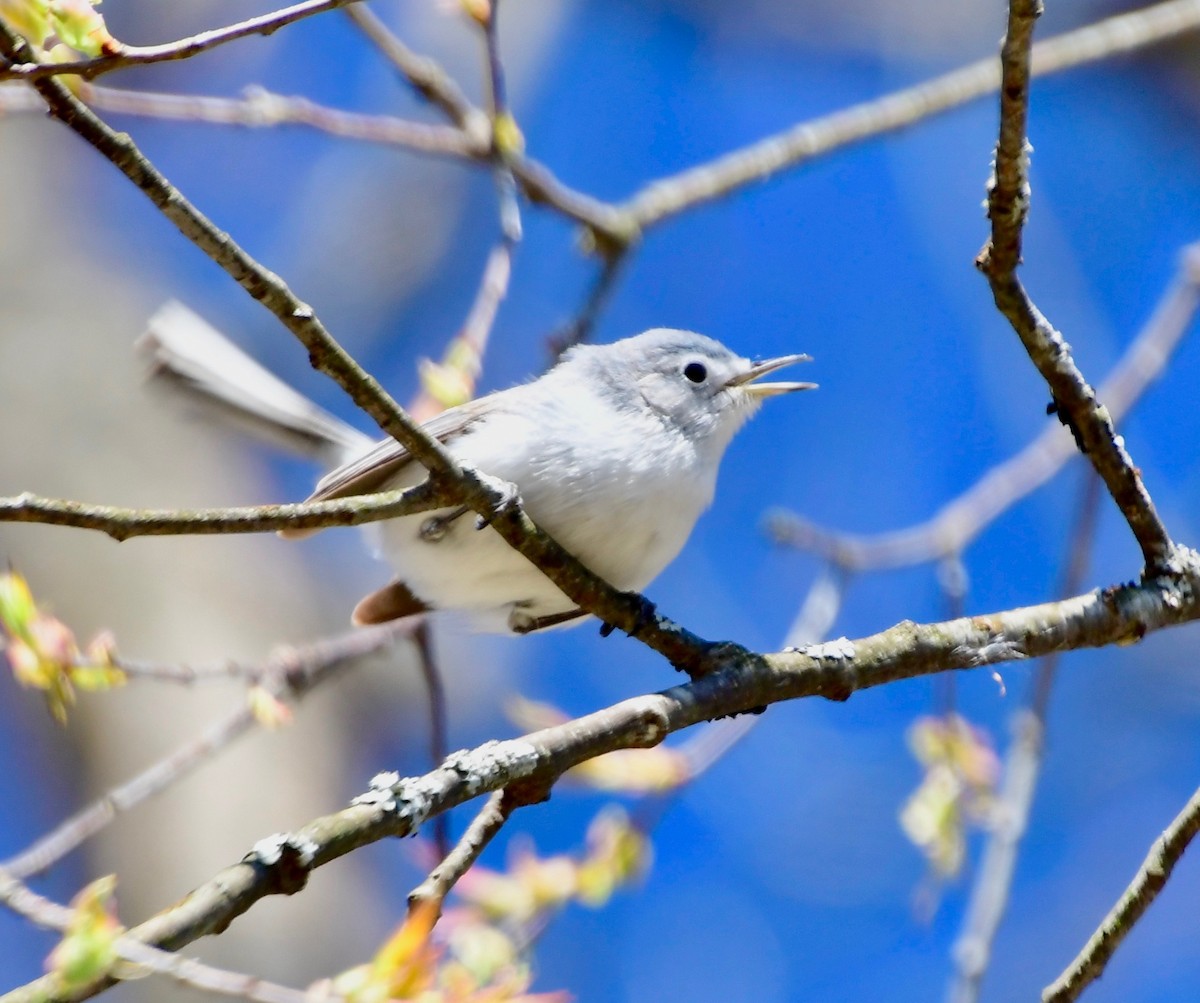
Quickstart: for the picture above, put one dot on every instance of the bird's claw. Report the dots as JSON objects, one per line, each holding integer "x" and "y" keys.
{"x": 645, "y": 615}
{"x": 504, "y": 497}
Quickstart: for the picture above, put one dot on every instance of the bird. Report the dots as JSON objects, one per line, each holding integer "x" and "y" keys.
{"x": 614, "y": 451}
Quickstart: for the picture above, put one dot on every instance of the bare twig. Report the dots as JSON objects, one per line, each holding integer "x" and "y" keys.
{"x": 506, "y": 139}
{"x": 427, "y": 78}
{"x": 609, "y": 227}
{"x": 579, "y": 328}
{"x": 834, "y": 670}
{"x": 1074, "y": 400}
{"x": 958, "y": 523}
{"x": 1147, "y": 883}
{"x": 46, "y": 913}
{"x": 125, "y": 523}
{"x": 140, "y": 55}
{"x": 797, "y": 145}
{"x": 1022, "y": 766}
{"x": 438, "y": 744}
{"x": 1078, "y": 558}
{"x": 189, "y": 675}
{"x": 483, "y": 828}
{"x": 289, "y": 675}
{"x": 208, "y": 978}
{"x": 260, "y": 108}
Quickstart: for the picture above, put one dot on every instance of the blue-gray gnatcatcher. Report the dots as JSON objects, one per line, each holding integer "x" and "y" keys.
{"x": 614, "y": 451}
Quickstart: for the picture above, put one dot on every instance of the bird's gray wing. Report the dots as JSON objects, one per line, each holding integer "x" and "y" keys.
{"x": 369, "y": 472}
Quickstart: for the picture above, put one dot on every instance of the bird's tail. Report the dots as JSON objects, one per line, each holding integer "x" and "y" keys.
{"x": 187, "y": 354}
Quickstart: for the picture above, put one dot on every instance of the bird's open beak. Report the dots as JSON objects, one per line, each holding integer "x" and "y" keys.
{"x": 761, "y": 369}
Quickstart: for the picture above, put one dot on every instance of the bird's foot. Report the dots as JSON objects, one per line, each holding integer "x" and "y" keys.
{"x": 645, "y": 615}
{"x": 504, "y": 496}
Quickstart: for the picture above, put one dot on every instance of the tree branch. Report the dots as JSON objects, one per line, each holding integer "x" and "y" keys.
{"x": 435, "y": 691}
{"x": 188, "y": 971}
{"x": 125, "y": 523}
{"x": 1008, "y": 818}
{"x": 483, "y": 828}
{"x": 260, "y": 108}
{"x": 1147, "y": 883}
{"x": 140, "y": 55}
{"x": 713, "y": 180}
{"x": 609, "y": 227}
{"x": 952, "y": 529}
{"x": 424, "y": 74}
{"x": 289, "y": 674}
{"x": 1074, "y": 400}
{"x": 835, "y": 670}
{"x": 579, "y": 328}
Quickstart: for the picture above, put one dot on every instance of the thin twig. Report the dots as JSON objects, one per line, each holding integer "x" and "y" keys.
{"x": 455, "y": 863}
{"x": 1022, "y": 766}
{"x": 493, "y": 287}
{"x": 1147, "y": 883}
{"x": 427, "y": 78}
{"x": 140, "y": 55}
{"x": 505, "y": 139}
{"x": 188, "y": 675}
{"x": 289, "y": 675}
{"x": 187, "y": 971}
{"x": 260, "y": 108}
{"x": 959, "y": 522}
{"x": 438, "y": 742}
{"x": 579, "y": 328}
{"x": 1074, "y": 399}
{"x": 712, "y": 743}
{"x": 608, "y": 227}
{"x": 126, "y": 523}
{"x": 1078, "y": 558}
{"x": 670, "y": 196}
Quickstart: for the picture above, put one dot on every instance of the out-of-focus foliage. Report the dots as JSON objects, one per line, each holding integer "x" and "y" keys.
{"x": 43, "y": 653}
{"x": 957, "y": 789}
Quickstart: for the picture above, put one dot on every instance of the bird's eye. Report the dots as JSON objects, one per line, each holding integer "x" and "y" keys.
{"x": 695, "y": 372}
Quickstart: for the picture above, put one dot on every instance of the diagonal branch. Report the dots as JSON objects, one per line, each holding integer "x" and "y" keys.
{"x": 187, "y": 971}
{"x": 140, "y": 55}
{"x": 1008, "y": 818}
{"x": 609, "y": 227}
{"x": 1074, "y": 399}
{"x": 483, "y": 829}
{"x": 715, "y": 179}
{"x": 289, "y": 675}
{"x": 835, "y": 670}
{"x": 953, "y": 527}
{"x": 424, "y": 74}
{"x": 1142, "y": 891}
